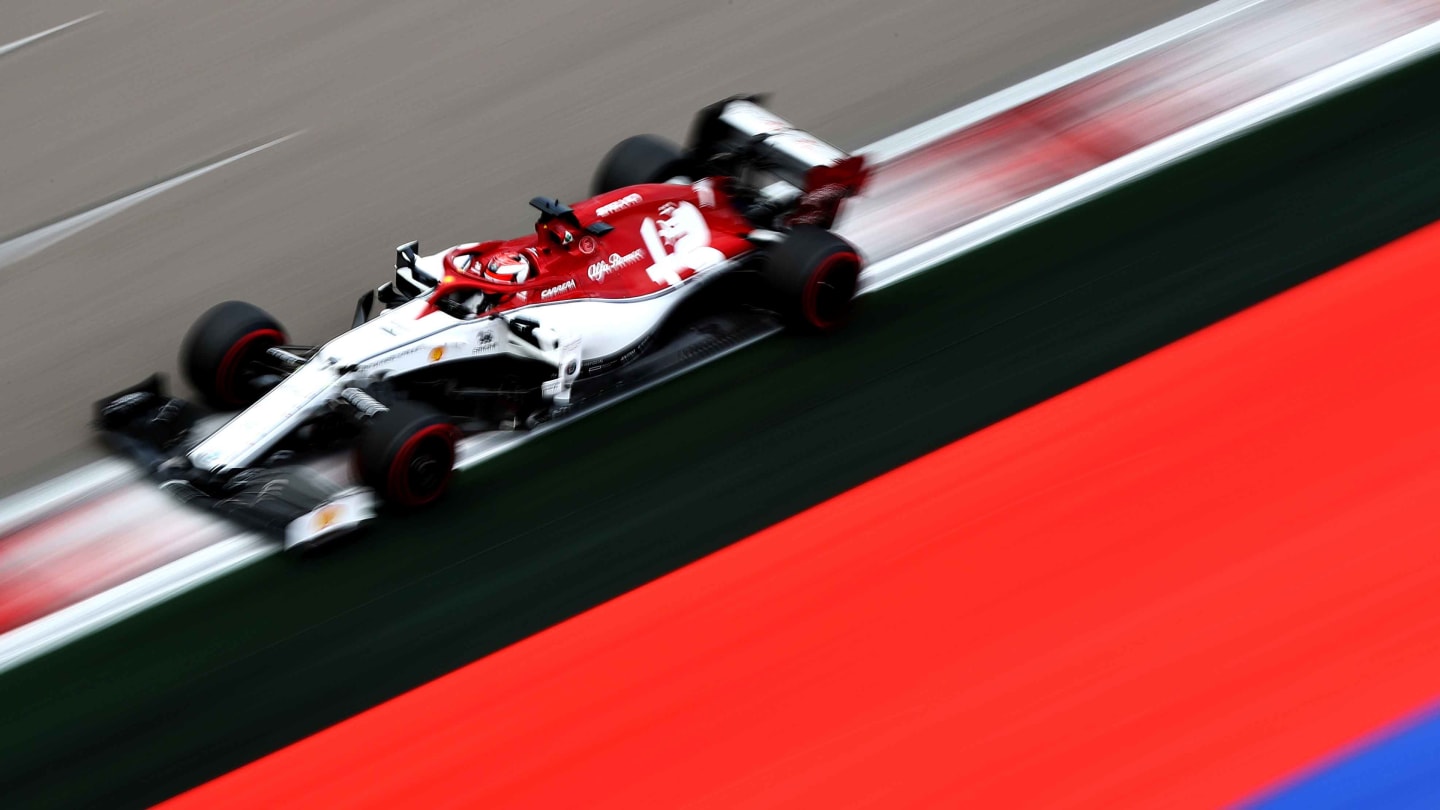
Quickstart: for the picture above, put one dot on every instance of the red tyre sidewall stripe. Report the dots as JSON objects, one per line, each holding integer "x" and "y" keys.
{"x": 399, "y": 485}
{"x": 225, "y": 383}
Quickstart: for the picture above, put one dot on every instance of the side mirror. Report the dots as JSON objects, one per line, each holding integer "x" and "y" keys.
{"x": 362, "y": 309}
{"x": 405, "y": 255}
{"x": 407, "y": 275}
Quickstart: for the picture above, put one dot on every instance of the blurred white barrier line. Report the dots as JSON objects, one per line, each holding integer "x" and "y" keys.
{"x": 1146, "y": 160}
{"x": 22, "y": 644}
{"x": 102, "y": 610}
{"x": 20, "y": 43}
{"x": 63, "y": 492}
{"x": 908, "y": 140}
{"x": 28, "y": 244}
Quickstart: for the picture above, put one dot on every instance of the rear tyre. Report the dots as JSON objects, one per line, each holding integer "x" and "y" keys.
{"x": 815, "y": 274}
{"x": 637, "y": 160}
{"x": 407, "y": 453}
{"x": 219, "y": 352}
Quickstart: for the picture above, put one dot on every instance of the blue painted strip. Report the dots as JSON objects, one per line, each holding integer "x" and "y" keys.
{"x": 1398, "y": 769}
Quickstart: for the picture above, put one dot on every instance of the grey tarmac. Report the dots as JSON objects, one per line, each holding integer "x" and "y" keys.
{"x": 428, "y": 119}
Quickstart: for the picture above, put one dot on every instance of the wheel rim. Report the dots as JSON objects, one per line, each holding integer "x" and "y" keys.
{"x": 228, "y": 376}
{"x": 422, "y": 468}
{"x": 829, "y": 296}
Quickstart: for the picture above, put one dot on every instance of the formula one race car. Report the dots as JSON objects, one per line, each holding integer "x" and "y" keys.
{"x": 681, "y": 254}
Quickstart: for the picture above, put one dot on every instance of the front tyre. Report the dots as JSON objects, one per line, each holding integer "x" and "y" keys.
{"x": 635, "y": 161}
{"x": 815, "y": 274}
{"x": 407, "y": 454}
{"x": 220, "y": 351}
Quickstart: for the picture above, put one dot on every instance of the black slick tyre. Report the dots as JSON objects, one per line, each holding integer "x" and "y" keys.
{"x": 218, "y": 353}
{"x": 407, "y": 454}
{"x": 815, "y": 274}
{"x": 637, "y": 160}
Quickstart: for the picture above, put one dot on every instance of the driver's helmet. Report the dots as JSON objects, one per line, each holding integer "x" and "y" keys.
{"x": 508, "y": 267}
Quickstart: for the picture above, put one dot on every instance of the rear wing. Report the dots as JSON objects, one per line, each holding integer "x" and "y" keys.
{"x": 810, "y": 174}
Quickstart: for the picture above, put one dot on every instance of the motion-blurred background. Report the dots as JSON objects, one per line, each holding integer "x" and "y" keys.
{"x": 1175, "y": 584}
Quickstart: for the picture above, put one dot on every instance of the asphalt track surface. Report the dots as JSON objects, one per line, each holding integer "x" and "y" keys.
{"x": 201, "y": 685}
{"x": 430, "y": 119}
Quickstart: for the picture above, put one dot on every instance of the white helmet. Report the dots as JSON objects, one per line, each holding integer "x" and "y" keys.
{"x": 509, "y": 267}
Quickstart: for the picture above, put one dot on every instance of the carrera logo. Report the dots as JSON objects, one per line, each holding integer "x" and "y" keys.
{"x": 599, "y": 270}
{"x": 557, "y": 289}
{"x": 628, "y": 201}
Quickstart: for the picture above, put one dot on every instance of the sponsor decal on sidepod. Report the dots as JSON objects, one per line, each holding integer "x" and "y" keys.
{"x": 628, "y": 201}
{"x": 599, "y": 270}
{"x": 558, "y": 288}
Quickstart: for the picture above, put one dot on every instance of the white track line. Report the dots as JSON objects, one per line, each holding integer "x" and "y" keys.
{"x": 908, "y": 140}
{"x": 40, "y": 501}
{"x": 20, "y": 43}
{"x": 28, "y": 244}
{"x": 22, "y": 644}
{"x": 64, "y": 491}
{"x": 152, "y": 588}
{"x": 1156, "y": 156}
